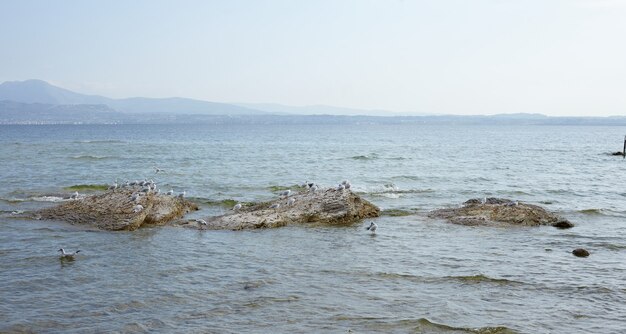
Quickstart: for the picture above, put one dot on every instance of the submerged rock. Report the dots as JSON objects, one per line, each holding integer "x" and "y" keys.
{"x": 618, "y": 153}
{"x": 320, "y": 207}
{"x": 118, "y": 210}
{"x": 580, "y": 252}
{"x": 499, "y": 212}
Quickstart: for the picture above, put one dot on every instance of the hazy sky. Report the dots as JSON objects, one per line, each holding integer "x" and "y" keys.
{"x": 563, "y": 57}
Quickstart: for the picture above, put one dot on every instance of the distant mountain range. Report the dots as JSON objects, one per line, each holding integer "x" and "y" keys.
{"x": 38, "y": 102}
{"x": 37, "y": 91}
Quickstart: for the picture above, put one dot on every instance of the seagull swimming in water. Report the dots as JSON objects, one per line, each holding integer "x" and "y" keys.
{"x": 157, "y": 170}
{"x": 137, "y": 208}
{"x": 372, "y": 228}
{"x": 237, "y": 207}
{"x": 66, "y": 255}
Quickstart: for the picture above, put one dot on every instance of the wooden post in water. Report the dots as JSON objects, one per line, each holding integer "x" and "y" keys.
{"x": 624, "y": 151}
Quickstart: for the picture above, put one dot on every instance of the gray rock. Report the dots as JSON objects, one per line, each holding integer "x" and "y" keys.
{"x": 116, "y": 210}
{"x": 499, "y": 212}
{"x": 321, "y": 207}
{"x": 580, "y": 252}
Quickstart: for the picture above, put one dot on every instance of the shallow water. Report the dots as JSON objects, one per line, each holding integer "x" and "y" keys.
{"x": 415, "y": 275}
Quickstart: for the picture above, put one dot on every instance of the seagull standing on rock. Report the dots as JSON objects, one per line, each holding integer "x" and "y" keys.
{"x": 237, "y": 207}
{"x": 171, "y": 192}
{"x": 275, "y": 206}
{"x": 137, "y": 208}
{"x": 202, "y": 223}
{"x": 291, "y": 201}
{"x": 286, "y": 193}
{"x": 74, "y": 195}
{"x": 182, "y": 195}
{"x": 340, "y": 187}
{"x": 372, "y": 228}
{"x": 68, "y": 255}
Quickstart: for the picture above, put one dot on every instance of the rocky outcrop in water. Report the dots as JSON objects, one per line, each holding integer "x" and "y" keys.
{"x": 499, "y": 212}
{"x": 580, "y": 252}
{"x": 320, "y": 207}
{"x": 119, "y": 210}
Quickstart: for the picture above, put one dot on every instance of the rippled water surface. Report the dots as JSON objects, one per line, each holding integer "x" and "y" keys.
{"x": 416, "y": 275}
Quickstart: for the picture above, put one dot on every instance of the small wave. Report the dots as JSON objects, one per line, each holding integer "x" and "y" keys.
{"x": 227, "y": 203}
{"x": 391, "y": 190}
{"x": 112, "y": 141}
{"x": 591, "y": 211}
{"x": 84, "y": 187}
{"x": 398, "y": 212}
{"x": 610, "y": 246}
{"x": 282, "y": 188}
{"x": 480, "y": 278}
{"x": 425, "y": 325}
{"x": 47, "y": 199}
{"x": 372, "y": 156}
{"x": 91, "y": 157}
{"x": 13, "y": 200}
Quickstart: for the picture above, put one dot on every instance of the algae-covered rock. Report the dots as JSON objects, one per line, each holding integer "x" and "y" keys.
{"x": 499, "y": 212}
{"x": 320, "y": 207}
{"x": 118, "y": 210}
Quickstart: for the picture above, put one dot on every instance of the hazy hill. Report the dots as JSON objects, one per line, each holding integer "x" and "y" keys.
{"x": 322, "y": 110}
{"x": 37, "y": 91}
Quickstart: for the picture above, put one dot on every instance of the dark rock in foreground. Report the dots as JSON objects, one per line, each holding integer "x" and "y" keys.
{"x": 499, "y": 212}
{"x": 321, "y": 207}
{"x": 116, "y": 210}
{"x": 580, "y": 252}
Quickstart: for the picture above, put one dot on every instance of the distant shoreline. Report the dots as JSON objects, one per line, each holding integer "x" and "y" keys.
{"x": 116, "y": 118}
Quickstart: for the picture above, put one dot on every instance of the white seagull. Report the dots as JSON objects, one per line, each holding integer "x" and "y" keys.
{"x": 286, "y": 193}
{"x": 137, "y": 208}
{"x": 291, "y": 201}
{"x": 237, "y": 207}
{"x": 275, "y": 206}
{"x": 74, "y": 195}
{"x": 113, "y": 186}
{"x": 171, "y": 192}
{"x": 340, "y": 187}
{"x": 372, "y": 227}
{"x": 66, "y": 255}
{"x": 201, "y": 222}
{"x": 182, "y": 195}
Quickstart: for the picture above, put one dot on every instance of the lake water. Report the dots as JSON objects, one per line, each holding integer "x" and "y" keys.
{"x": 416, "y": 275}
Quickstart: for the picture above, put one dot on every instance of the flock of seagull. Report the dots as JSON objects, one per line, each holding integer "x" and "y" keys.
{"x": 149, "y": 186}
